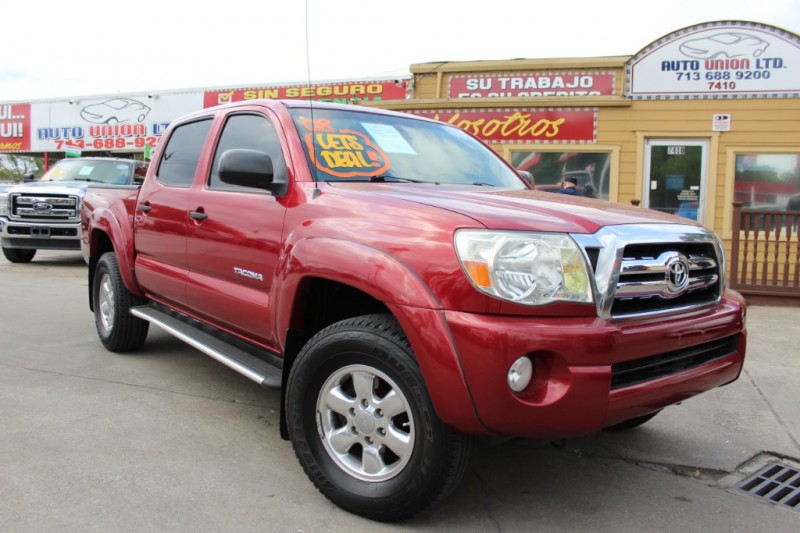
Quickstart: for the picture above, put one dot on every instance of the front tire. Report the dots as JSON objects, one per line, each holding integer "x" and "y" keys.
{"x": 118, "y": 329}
{"x": 363, "y": 426}
{"x": 19, "y": 255}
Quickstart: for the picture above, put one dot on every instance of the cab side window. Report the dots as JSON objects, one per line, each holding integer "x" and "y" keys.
{"x": 252, "y": 132}
{"x": 181, "y": 155}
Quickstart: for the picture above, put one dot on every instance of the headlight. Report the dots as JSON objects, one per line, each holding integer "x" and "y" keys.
{"x": 524, "y": 268}
{"x": 4, "y": 204}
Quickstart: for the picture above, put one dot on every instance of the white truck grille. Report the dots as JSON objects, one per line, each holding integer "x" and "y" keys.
{"x": 48, "y": 207}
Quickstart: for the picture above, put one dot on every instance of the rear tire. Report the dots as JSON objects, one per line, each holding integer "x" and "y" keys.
{"x": 19, "y": 255}
{"x": 118, "y": 329}
{"x": 363, "y": 426}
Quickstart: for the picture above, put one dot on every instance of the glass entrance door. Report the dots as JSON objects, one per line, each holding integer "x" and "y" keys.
{"x": 675, "y": 176}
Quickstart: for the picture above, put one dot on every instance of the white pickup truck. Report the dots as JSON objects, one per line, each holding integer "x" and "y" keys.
{"x": 45, "y": 213}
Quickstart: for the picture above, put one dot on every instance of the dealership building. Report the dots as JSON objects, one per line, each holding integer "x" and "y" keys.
{"x": 694, "y": 122}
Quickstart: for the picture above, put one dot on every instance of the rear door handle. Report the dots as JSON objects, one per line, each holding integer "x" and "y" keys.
{"x": 144, "y": 208}
{"x": 197, "y": 215}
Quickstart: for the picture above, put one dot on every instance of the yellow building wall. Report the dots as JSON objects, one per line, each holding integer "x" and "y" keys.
{"x": 758, "y": 125}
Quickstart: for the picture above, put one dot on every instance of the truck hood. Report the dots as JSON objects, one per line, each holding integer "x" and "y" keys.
{"x": 521, "y": 209}
{"x": 50, "y": 187}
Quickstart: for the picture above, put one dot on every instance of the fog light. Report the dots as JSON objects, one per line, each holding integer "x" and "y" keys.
{"x": 520, "y": 374}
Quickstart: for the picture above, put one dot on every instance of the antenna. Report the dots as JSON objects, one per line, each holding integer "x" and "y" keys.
{"x": 311, "y": 108}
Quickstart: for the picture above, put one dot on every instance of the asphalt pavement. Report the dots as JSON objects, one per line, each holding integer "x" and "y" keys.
{"x": 167, "y": 439}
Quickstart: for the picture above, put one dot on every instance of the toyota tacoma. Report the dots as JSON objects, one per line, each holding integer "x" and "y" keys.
{"x": 406, "y": 290}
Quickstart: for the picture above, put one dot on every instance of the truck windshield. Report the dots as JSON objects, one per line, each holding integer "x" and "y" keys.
{"x": 91, "y": 170}
{"x": 363, "y": 146}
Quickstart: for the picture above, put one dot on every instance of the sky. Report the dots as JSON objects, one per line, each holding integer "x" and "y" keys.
{"x": 90, "y": 47}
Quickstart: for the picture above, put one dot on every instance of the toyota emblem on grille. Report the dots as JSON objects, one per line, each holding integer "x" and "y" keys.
{"x": 677, "y": 274}
{"x": 42, "y": 207}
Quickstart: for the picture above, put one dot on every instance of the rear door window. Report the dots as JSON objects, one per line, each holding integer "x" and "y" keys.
{"x": 181, "y": 155}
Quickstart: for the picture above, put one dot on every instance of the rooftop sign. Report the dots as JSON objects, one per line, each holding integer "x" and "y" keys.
{"x": 718, "y": 60}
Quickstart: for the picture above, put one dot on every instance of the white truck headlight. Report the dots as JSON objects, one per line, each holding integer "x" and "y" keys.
{"x": 525, "y": 268}
{"x": 4, "y": 204}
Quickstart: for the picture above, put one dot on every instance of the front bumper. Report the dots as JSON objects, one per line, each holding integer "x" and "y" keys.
{"x": 575, "y": 359}
{"x": 37, "y": 235}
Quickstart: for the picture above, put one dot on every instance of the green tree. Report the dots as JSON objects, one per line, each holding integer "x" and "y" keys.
{"x": 15, "y": 167}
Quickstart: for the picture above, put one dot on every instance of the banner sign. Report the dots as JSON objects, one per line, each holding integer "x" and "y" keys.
{"x": 532, "y": 84}
{"x": 114, "y": 124}
{"x": 550, "y": 125}
{"x": 337, "y": 92}
{"x": 15, "y": 123}
{"x": 718, "y": 60}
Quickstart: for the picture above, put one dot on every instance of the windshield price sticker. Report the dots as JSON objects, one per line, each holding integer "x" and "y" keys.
{"x": 343, "y": 153}
{"x": 389, "y": 139}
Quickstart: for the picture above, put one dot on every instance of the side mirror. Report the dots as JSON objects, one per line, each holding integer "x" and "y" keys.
{"x": 30, "y": 176}
{"x": 527, "y": 176}
{"x": 250, "y": 168}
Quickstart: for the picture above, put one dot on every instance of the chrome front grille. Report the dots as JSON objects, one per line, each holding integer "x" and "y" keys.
{"x": 654, "y": 268}
{"x": 666, "y": 276}
{"x": 45, "y": 207}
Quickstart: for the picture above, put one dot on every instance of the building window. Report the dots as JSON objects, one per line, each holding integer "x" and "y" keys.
{"x": 591, "y": 169}
{"x": 768, "y": 181}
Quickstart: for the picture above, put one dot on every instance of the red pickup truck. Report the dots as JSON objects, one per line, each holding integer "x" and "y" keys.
{"x": 406, "y": 290}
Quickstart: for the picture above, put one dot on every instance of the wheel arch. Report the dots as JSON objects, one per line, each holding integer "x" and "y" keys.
{"x": 108, "y": 235}
{"x": 312, "y": 295}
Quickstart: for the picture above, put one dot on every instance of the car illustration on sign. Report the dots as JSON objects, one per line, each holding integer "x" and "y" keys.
{"x": 115, "y": 111}
{"x": 725, "y": 45}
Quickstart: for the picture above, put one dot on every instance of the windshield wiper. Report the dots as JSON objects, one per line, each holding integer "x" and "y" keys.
{"x": 386, "y": 178}
{"x": 482, "y": 183}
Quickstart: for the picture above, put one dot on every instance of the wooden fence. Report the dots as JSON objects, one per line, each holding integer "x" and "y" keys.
{"x": 765, "y": 257}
